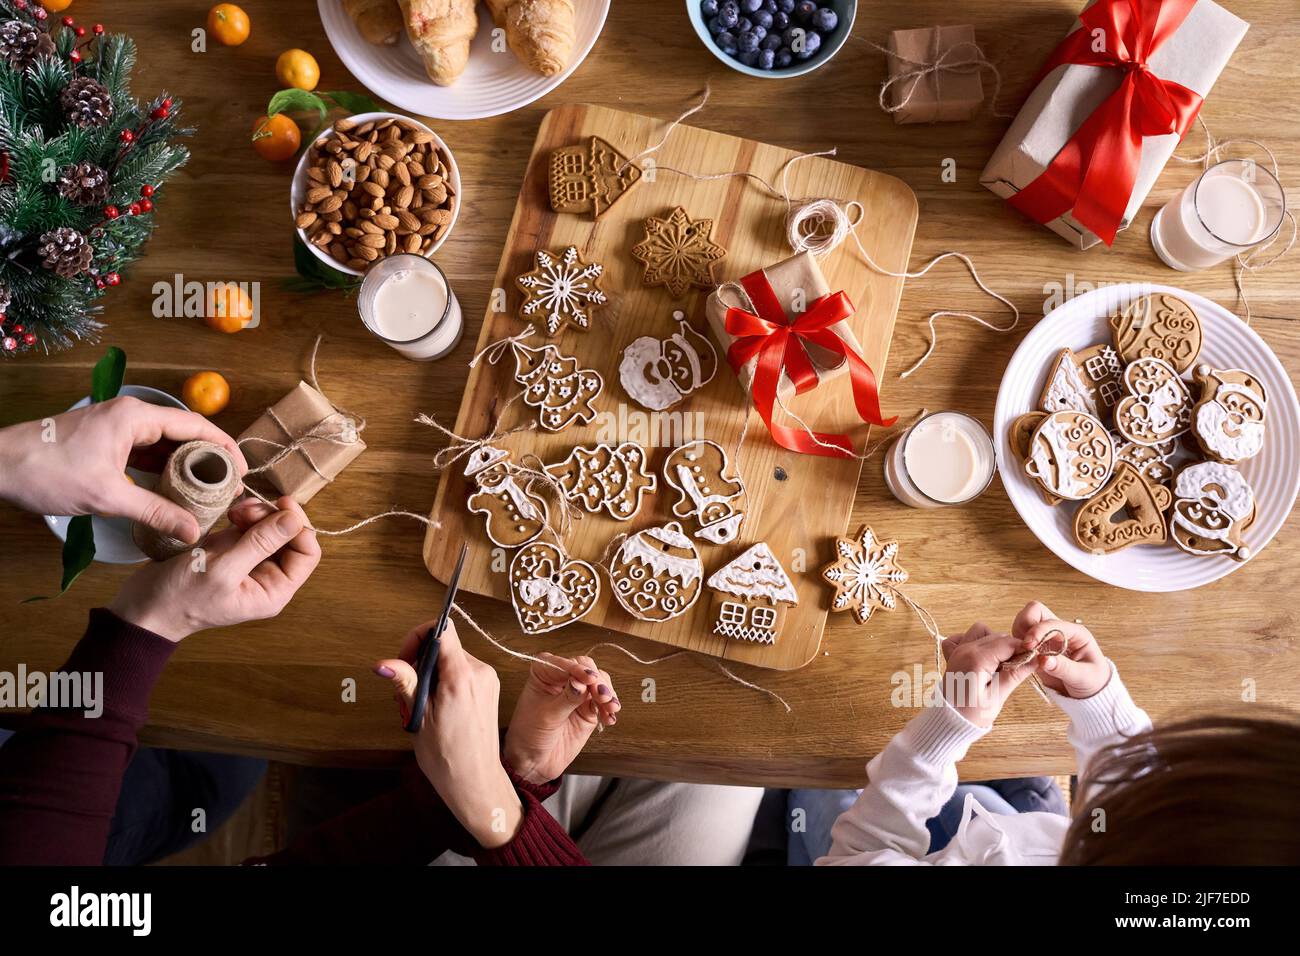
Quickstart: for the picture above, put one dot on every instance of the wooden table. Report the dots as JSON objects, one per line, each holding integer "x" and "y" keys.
{"x": 275, "y": 688}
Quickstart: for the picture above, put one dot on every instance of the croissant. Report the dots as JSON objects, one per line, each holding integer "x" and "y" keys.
{"x": 542, "y": 33}
{"x": 379, "y": 21}
{"x": 441, "y": 31}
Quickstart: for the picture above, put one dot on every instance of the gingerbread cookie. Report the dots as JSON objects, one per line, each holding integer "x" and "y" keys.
{"x": 1066, "y": 389}
{"x": 1103, "y": 371}
{"x": 697, "y": 472}
{"x": 1213, "y": 506}
{"x": 608, "y": 477}
{"x": 560, "y": 291}
{"x": 865, "y": 574}
{"x": 1071, "y": 454}
{"x": 1157, "y": 406}
{"x": 589, "y": 177}
{"x": 515, "y": 515}
{"x": 1159, "y": 326}
{"x": 1228, "y": 421}
{"x": 750, "y": 596}
{"x": 1129, "y": 510}
{"x": 555, "y": 385}
{"x": 660, "y": 373}
{"x": 656, "y": 573}
{"x": 1019, "y": 436}
{"x": 549, "y": 589}
{"x": 678, "y": 252}
{"x": 1153, "y": 462}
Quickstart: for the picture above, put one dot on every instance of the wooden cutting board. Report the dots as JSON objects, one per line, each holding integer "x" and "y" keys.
{"x": 797, "y": 504}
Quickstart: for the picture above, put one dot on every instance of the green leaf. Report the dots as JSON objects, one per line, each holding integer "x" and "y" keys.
{"x": 106, "y": 380}
{"x": 315, "y": 275}
{"x": 297, "y": 101}
{"x": 353, "y": 102}
{"x": 78, "y": 549}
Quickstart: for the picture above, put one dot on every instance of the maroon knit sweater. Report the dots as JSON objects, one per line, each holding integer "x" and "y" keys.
{"x": 60, "y": 775}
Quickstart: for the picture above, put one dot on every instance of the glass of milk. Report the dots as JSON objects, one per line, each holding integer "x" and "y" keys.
{"x": 944, "y": 459}
{"x": 406, "y": 301}
{"x": 1229, "y": 209}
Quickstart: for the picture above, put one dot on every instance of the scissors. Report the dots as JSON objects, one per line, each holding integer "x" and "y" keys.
{"x": 426, "y": 663}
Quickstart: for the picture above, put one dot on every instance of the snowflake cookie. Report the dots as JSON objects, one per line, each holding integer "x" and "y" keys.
{"x": 678, "y": 252}
{"x": 865, "y": 574}
{"x": 561, "y": 291}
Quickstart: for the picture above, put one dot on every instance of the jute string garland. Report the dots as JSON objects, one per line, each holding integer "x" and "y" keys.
{"x": 202, "y": 478}
{"x": 964, "y": 57}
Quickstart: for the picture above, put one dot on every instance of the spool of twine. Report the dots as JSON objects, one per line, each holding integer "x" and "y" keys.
{"x": 203, "y": 479}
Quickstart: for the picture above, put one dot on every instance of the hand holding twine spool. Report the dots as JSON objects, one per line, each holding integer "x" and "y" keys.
{"x": 203, "y": 479}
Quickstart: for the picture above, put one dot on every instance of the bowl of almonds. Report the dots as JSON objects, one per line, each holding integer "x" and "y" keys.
{"x": 375, "y": 185}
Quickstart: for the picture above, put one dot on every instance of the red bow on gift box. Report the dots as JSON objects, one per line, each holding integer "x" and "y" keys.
{"x": 1094, "y": 173}
{"x": 778, "y": 343}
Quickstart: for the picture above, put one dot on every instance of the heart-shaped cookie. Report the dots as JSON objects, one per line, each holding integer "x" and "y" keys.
{"x": 550, "y": 590}
{"x": 1158, "y": 405}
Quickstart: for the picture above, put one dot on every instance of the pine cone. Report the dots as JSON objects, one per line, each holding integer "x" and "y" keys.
{"x": 21, "y": 43}
{"x": 87, "y": 103}
{"x": 66, "y": 252}
{"x": 84, "y": 184}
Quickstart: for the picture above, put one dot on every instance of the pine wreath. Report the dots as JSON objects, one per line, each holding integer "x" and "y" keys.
{"x": 81, "y": 165}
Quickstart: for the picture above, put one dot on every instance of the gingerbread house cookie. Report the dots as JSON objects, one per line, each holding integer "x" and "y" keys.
{"x": 1228, "y": 422}
{"x": 750, "y": 596}
{"x": 589, "y": 177}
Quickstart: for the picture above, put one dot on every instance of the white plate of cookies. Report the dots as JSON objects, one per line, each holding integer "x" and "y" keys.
{"x": 1148, "y": 437}
{"x": 459, "y": 59}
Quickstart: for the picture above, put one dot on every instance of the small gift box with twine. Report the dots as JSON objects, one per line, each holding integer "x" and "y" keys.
{"x": 934, "y": 75}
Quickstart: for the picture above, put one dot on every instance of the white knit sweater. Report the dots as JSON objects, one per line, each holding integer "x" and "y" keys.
{"x": 916, "y": 774}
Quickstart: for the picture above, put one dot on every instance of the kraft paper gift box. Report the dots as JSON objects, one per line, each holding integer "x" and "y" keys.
{"x": 317, "y": 461}
{"x": 1193, "y": 56}
{"x": 797, "y": 278}
{"x": 948, "y": 94}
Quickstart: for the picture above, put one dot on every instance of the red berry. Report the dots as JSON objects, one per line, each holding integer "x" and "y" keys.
{"x": 74, "y": 56}
{"x": 146, "y": 190}
{"x": 68, "y": 21}
{"x": 19, "y": 329}
{"x": 111, "y": 212}
{"x": 146, "y": 205}
{"x": 29, "y": 339}
{"x": 128, "y": 136}
{"x": 39, "y": 13}
{"x": 134, "y": 209}
{"x": 99, "y": 283}
{"x": 20, "y": 4}
{"x": 167, "y": 103}
{"x": 81, "y": 31}
{"x": 10, "y": 343}
{"x": 112, "y": 278}
{"x": 99, "y": 29}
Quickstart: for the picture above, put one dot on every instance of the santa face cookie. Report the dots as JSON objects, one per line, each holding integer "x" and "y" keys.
{"x": 656, "y": 574}
{"x": 706, "y": 495}
{"x": 1129, "y": 510}
{"x": 555, "y": 385}
{"x": 561, "y": 291}
{"x": 865, "y": 575}
{"x": 515, "y": 515}
{"x": 1213, "y": 506}
{"x": 660, "y": 373}
{"x": 1159, "y": 326}
{"x": 1158, "y": 406}
{"x": 1228, "y": 421}
{"x": 1071, "y": 455}
{"x": 550, "y": 590}
{"x": 606, "y": 477}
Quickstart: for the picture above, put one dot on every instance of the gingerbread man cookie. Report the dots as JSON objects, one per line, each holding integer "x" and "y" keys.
{"x": 1213, "y": 506}
{"x": 1157, "y": 406}
{"x": 1159, "y": 326}
{"x": 608, "y": 477}
{"x": 549, "y": 589}
{"x": 1129, "y": 510}
{"x": 865, "y": 574}
{"x": 678, "y": 252}
{"x": 660, "y": 373}
{"x": 556, "y": 386}
{"x": 561, "y": 290}
{"x": 515, "y": 515}
{"x": 656, "y": 573}
{"x": 751, "y": 595}
{"x": 1228, "y": 421}
{"x": 1071, "y": 454}
{"x": 697, "y": 472}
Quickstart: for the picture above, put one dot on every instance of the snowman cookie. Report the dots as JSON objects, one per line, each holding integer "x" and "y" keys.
{"x": 515, "y": 515}
{"x": 1159, "y": 326}
{"x": 716, "y": 502}
{"x": 1071, "y": 455}
{"x": 1157, "y": 406}
{"x": 548, "y": 589}
{"x": 656, "y": 574}
{"x": 659, "y": 373}
{"x": 1213, "y": 507}
{"x": 1228, "y": 422}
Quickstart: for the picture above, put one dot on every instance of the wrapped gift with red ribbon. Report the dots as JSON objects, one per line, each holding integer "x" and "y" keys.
{"x": 787, "y": 335}
{"x": 1110, "y": 106}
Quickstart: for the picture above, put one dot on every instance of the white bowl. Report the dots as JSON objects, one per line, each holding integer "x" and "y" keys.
{"x": 298, "y": 191}
{"x": 1274, "y": 474}
{"x": 493, "y": 82}
{"x": 113, "y": 541}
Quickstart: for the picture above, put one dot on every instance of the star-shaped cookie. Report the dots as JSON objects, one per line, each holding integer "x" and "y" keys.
{"x": 561, "y": 290}
{"x": 865, "y": 574}
{"x": 678, "y": 252}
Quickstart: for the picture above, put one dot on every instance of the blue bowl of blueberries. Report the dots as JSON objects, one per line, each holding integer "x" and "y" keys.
{"x": 773, "y": 38}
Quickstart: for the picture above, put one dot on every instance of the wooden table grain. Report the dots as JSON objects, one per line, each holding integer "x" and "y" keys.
{"x": 277, "y": 688}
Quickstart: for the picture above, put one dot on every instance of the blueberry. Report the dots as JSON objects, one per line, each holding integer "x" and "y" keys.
{"x": 766, "y": 59}
{"x": 812, "y": 42}
{"x": 780, "y": 20}
{"x": 726, "y": 42}
{"x": 769, "y": 6}
{"x": 729, "y": 14}
{"x": 785, "y": 6}
{"x": 793, "y": 36}
{"x": 749, "y": 6}
{"x": 825, "y": 20}
{"x": 762, "y": 19}
{"x": 783, "y": 58}
{"x": 771, "y": 42}
{"x": 715, "y": 26}
{"x": 747, "y": 42}
{"x": 749, "y": 59}
{"x": 709, "y": 8}
{"x": 804, "y": 10}
{"x": 759, "y": 32}
{"x": 744, "y": 25}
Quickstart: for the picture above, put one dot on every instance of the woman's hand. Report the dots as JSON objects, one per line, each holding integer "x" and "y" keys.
{"x": 75, "y": 463}
{"x": 562, "y": 702}
{"x": 458, "y": 746}
{"x": 245, "y": 573}
{"x": 1081, "y": 671}
{"x": 973, "y": 685}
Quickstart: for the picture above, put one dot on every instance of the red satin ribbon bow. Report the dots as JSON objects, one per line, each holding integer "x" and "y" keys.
{"x": 778, "y": 344}
{"x": 1094, "y": 172}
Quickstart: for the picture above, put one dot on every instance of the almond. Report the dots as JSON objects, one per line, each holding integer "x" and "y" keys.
{"x": 372, "y": 240}
{"x": 404, "y": 197}
{"x": 319, "y": 193}
{"x": 413, "y": 243}
{"x": 386, "y": 221}
{"x": 305, "y": 219}
{"x": 332, "y": 204}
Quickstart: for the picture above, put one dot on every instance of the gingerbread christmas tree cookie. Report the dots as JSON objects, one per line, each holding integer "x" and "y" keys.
{"x": 751, "y": 595}
{"x": 865, "y": 575}
{"x": 561, "y": 291}
{"x": 659, "y": 373}
{"x": 549, "y": 589}
{"x": 515, "y": 515}
{"x": 608, "y": 477}
{"x": 556, "y": 386}
{"x": 716, "y": 502}
{"x": 589, "y": 177}
{"x": 678, "y": 252}
{"x": 656, "y": 573}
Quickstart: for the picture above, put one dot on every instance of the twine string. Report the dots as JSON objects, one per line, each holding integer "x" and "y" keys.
{"x": 965, "y": 57}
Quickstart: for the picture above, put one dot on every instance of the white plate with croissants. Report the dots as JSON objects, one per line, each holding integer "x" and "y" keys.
{"x": 459, "y": 59}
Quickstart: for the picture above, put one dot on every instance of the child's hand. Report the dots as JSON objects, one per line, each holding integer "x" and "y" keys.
{"x": 1081, "y": 671}
{"x": 973, "y": 685}
{"x": 557, "y": 711}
